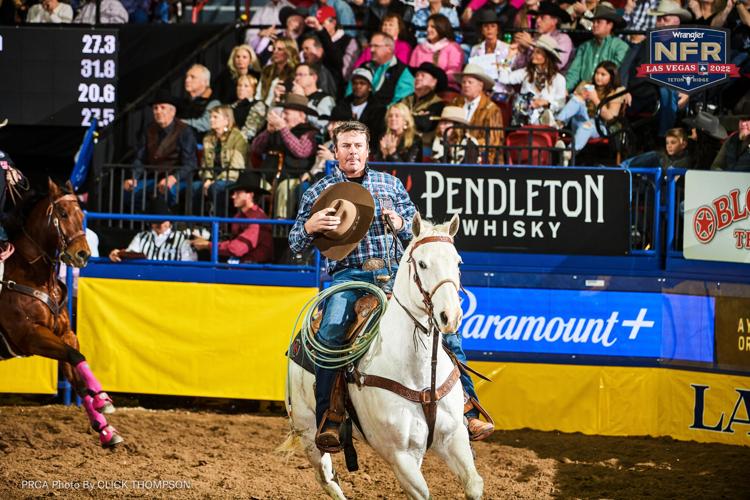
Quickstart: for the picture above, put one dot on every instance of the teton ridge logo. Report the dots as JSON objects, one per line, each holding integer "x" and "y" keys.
{"x": 688, "y": 58}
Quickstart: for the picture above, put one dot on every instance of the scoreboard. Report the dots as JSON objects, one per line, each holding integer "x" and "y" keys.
{"x": 64, "y": 76}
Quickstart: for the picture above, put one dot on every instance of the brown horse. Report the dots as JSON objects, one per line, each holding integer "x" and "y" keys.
{"x": 33, "y": 316}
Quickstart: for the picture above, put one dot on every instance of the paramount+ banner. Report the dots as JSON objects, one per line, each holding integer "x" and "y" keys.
{"x": 717, "y": 207}
{"x": 540, "y": 210}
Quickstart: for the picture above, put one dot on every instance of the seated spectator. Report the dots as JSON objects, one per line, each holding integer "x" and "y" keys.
{"x": 394, "y": 26}
{"x": 306, "y": 84}
{"x": 330, "y": 80}
{"x": 524, "y": 16}
{"x": 334, "y": 40}
{"x": 435, "y": 7}
{"x": 50, "y": 11}
{"x": 110, "y": 12}
{"x": 248, "y": 242}
{"x": 267, "y": 14}
{"x": 400, "y": 142}
{"x": 378, "y": 11}
{"x": 280, "y": 70}
{"x": 440, "y": 48}
{"x": 344, "y": 12}
{"x": 242, "y": 62}
{"x": 603, "y": 47}
{"x": 503, "y": 9}
{"x": 581, "y": 108}
{"x": 548, "y": 18}
{"x": 245, "y": 98}
{"x": 160, "y": 243}
{"x": 480, "y": 110}
{"x": 224, "y": 152}
{"x": 490, "y": 53}
{"x": 707, "y": 134}
{"x": 391, "y": 81}
{"x": 361, "y": 105}
{"x": 674, "y": 154}
{"x": 425, "y": 104}
{"x": 450, "y": 145}
{"x": 704, "y": 11}
{"x": 195, "y": 109}
{"x": 292, "y": 21}
{"x": 542, "y": 91}
{"x": 166, "y": 142}
{"x": 581, "y": 13}
{"x": 734, "y": 154}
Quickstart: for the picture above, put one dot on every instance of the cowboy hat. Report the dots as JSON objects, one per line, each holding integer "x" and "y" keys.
{"x": 288, "y": 12}
{"x": 741, "y": 112}
{"x": 164, "y": 96}
{"x": 436, "y": 72}
{"x": 355, "y": 206}
{"x": 476, "y": 71}
{"x": 485, "y": 16}
{"x": 607, "y": 12}
{"x": 707, "y": 123}
{"x": 455, "y": 114}
{"x": 552, "y": 9}
{"x": 248, "y": 181}
{"x": 670, "y": 8}
{"x": 549, "y": 45}
{"x": 299, "y": 103}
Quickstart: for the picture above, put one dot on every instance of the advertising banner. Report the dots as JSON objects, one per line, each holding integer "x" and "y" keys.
{"x": 733, "y": 333}
{"x": 541, "y": 210}
{"x": 583, "y": 322}
{"x": 32, "y": 375}
{"x": 717, "y": 206}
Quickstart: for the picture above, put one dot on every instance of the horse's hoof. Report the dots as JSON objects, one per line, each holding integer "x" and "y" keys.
{"x": 109, "y": 437}
{"x": 103, "y": 403}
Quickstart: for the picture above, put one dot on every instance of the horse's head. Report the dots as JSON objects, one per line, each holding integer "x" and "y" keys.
{"x": 434, "y": 277}
{"x": 65, "y": 217}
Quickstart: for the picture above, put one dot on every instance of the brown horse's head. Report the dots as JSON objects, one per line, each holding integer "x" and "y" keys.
{"x": 65, "y": 218}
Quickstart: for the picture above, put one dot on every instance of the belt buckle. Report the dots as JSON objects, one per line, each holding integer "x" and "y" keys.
{"x": 373, "y": 264}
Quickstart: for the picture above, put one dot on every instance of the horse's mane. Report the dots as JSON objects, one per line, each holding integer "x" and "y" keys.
{"x": 14, "y": 220}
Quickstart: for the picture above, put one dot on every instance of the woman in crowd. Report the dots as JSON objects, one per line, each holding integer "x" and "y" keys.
{"x": 224, "y": 152}
{"x": 488, "y": 25}
{"x": 542, "y": 86}
{"x": 395, "y": 27}
{"x": 242, "y": 61}
{"x": 245, "y": 93}
{"x": 380, "y": 8}
{"x": 284, "y": 61}
{"x": 524, "y": 19}
{"x": 422, "y": 16}
{"x": 400, "y": 142}
{"x": 580, "y": 111}
{"x": 704, "y": 11}
{"x": 450, "y": 144}
{"x": 440, "y": 49}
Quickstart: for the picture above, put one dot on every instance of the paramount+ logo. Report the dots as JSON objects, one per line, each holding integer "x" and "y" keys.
{"x": 688, "y": 58}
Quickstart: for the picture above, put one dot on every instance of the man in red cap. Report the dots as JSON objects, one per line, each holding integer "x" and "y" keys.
{"x": 341, "y": 49}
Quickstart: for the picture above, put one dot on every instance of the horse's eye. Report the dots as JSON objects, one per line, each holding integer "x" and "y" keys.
{"x": 422, "y": 265}
{"x": 63, "y": 214}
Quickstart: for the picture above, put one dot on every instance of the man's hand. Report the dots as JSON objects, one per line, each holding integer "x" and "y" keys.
{"x": 539, "y": 103}
{"x": 321, "y": 221}
{"x": 129, "y": 184}
{"x": 523, "y": 39}
{"x": 325, "y": 154}
{"x": 313, "y": 23}
{"x": 206, "y": 184}
{"x": 50, "y": 5}
{"x": 200, "y": 243}
{"x": 167, "y": 183}
{"x": 114, "y": 255}
{"x": 275, "y": 122}
{"x": 396, "y": 220}
{"x": 269, "y": 32}
{"x": 13, "y": 176}
{"x": 466, "y": 16}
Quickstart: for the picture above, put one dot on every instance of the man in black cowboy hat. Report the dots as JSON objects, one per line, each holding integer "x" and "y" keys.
{"x": 504, "y": 12}
{"x": 603, "y": 47}
{"x": 734, "y": 154}
{"x": 549, "y": 16}
{"x": 167, "y": 141}
{"x": 425, "y": 102}
{"x": 249, "y": 242}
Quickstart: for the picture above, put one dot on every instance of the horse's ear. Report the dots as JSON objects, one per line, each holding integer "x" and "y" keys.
{"x": 54, "y": 189}
{"x": 453, "y": 227}
{"x": 416, "y": 224}
{"x": 69, "y": 186}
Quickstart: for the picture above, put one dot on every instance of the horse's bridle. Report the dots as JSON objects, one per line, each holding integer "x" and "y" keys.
{"x": 64, "y": 241}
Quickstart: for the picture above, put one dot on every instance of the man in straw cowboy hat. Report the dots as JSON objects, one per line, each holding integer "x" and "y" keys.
{"x": 480, "y": 110}
{"x": 603, "y": 47}
{"x": 344, "y": 214}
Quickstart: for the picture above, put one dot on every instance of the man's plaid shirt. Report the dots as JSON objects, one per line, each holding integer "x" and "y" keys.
{"x": 383, "y": 187}
{"x": 640, "y": 19}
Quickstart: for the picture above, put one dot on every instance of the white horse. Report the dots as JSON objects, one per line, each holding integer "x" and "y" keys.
{"x": 395, "y": 427}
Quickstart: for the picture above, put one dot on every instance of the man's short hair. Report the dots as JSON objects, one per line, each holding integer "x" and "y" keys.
{"x": 351, "y": 126}
{"x": 677, "y": 133}
{"x": 316, "y": 41}
{"x": 204, "y": 72}
{"x": 314, "y": 68}
{"x": 387, "y": 39}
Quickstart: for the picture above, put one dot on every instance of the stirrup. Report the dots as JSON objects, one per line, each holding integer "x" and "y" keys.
{"x": 472, "y": 404}
{"x": 327, "y": 437}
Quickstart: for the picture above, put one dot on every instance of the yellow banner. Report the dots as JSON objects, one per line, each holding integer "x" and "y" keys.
{"x": 32, "y": 375}
{"x": 188, "y": 339}
{"x": 618, "y": 401}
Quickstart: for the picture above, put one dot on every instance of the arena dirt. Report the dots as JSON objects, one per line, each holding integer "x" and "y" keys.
{"x": 46, "y": 451}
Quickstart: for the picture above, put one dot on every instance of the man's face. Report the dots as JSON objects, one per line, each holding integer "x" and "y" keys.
{"x": 194, "y": 83}
{"x": 381, "y": 53}
{"x": 240, "y": 198}
{"x": 664, "y": 21}
{"x": 352, "y": 152}
{"x": 295, "y": 25}
{"x": 312, "y": 53}
{"x": 674, "y": 145}
{"x": 163, "y": 114}
{"x": 293, "y": 117}
{"x": 602, "y": 28}
{"x": 161, "y": 227}
{"x": 744, "y": 128}
{"x": 425, "y": 81}
{"x": 360, "y": 87}
{"x": 546, "y": 23}
{"x": 471, "y": 87}
{"x": 303, "y": 77}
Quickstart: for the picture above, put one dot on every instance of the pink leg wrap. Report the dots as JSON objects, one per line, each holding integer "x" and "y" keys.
{"x": 98, "y": 422}
{"x": 85, "y": 373}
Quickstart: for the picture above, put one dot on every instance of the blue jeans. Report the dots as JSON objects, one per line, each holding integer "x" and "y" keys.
{"x": 583, "y": 126}
{"x": 216, "y": 195}
{"x": 137, "y": 194}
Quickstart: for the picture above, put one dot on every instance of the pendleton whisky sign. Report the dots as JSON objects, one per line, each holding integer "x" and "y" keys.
{"x": 688, "y": 58}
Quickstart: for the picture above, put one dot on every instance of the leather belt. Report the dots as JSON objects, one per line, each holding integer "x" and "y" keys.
{"x": 373, "y": 264}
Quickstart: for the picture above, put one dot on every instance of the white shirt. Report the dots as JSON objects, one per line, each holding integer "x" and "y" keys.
{"x": 111, "y": 12}
{"x": 358, "y": 109}
{"x": 63, "y": 13}
{"x": 471, "y": 107}
{"x": 156, "y": 246}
